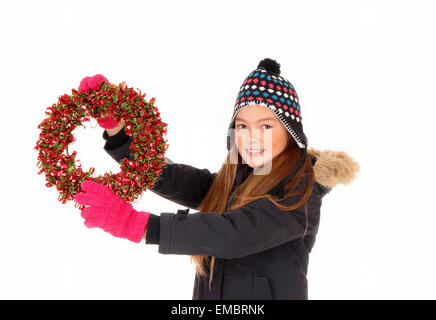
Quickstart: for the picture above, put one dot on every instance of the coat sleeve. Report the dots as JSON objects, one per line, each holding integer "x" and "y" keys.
{"x": 321, "y": 189}
{"x": 256, "y": 227}
{"x": 180, "y": 183}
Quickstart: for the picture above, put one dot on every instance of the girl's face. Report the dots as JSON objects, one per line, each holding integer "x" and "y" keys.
{"x": 258, "y": 128}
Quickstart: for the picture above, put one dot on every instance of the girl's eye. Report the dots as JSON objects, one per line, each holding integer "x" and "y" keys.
{"x": 244, "y": 125}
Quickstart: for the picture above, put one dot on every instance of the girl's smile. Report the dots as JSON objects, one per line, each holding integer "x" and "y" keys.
{"x": 255, "y": 152}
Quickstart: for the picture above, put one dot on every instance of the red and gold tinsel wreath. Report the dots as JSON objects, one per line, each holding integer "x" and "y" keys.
{"x": 98, "y": 98}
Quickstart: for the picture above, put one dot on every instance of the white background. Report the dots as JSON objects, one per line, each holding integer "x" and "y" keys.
{"x": 365, "y": 74}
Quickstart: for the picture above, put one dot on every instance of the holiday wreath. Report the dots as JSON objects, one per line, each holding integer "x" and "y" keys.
{"x": 98, "y": 98}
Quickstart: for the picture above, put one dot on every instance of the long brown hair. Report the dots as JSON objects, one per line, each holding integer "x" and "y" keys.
{"x": 255, "y": 187}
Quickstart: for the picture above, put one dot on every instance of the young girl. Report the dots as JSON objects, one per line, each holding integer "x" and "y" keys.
{"x": 258, "y": 215}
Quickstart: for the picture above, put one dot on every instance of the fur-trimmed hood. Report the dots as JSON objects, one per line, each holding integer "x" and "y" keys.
{"x": 330, "y": 168}
{"x": 333, "y": 167}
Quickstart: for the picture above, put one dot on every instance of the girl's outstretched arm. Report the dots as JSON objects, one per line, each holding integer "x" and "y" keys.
{"x": 180, "y": 183}
{"x": 256, "y": 227}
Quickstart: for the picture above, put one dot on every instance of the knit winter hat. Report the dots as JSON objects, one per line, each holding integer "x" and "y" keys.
{"x": 264, "y": 86}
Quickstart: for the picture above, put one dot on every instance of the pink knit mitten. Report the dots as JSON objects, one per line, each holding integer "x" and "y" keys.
{"x": 110, "y": 212}
{"x": 107, "y": 123}
{"x": 94, "y": 83}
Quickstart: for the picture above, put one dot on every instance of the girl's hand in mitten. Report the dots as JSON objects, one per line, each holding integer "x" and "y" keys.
{"x": 94, "y": 83}
{"x": 110, "y": 123}
{"x": 106, "y": 210}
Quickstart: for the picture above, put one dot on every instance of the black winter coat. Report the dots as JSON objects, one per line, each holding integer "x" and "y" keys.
{"x": 259, "y": 250}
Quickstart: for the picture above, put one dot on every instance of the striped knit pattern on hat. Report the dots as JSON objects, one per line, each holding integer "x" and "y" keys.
{"x": 264, "y": 86}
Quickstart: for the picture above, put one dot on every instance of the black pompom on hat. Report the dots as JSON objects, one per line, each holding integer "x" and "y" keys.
{"x": 272, "y": 66}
